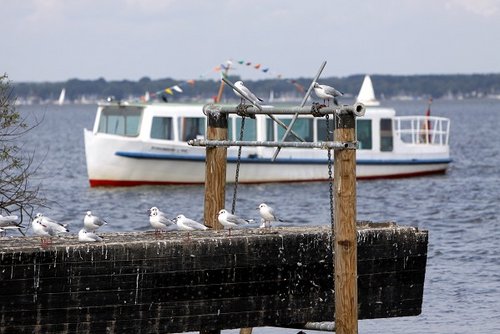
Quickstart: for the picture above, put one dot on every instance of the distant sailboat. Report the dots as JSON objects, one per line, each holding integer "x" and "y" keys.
{"x": 62, "y": 96}
{"x": 367, "y": 94}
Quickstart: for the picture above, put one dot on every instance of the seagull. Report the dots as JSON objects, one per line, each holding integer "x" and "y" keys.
{"x": 91, "y": 223}
{"x": 88, "y": 236}
{"x": 10, "y": 223}
{"x": 46, "y": 227}
{"x": 160, "y": 222}
{"x": 326, "y": 93}
{"x": 247, "y": 94}
{"x": 4, "y": 226}
{"x": 267, "y": 214}
{"x": 230, "y": 221}
{"x": 186, "y": 224}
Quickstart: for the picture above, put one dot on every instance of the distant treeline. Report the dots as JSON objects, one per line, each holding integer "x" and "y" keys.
{"x": 386, "y": 86}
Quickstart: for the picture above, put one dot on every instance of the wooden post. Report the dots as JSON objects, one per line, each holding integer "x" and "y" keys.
{"x": 345, "y": 240}
{"x": 215, "y": 169}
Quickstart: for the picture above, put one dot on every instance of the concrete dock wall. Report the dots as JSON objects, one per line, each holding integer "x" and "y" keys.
{"x": 136, "y": 282}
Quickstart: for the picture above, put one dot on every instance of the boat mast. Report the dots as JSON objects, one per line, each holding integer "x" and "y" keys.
{"x": 221, "y": 87}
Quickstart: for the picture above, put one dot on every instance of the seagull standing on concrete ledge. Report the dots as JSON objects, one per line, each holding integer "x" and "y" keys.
{"x": 186, "y": 224}
{"x": 92, "y": 223}
{"x": 267, "y": 215}
{"x": 160, "y": 222}
{"x": 247, "y": 94}
{"x": 230, "y": 221}
{"x": 326, "y": 93}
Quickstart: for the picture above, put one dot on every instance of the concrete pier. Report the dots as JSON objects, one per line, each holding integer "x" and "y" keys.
{"x": 256, "y": 277}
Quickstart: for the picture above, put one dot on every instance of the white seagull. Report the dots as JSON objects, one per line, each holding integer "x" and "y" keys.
{"x": 247, "y": 94}
{"x": 326, "y": 93}
{"x": 160, "y": 222}
{"x": 10, "y": 223}
{"x": 91, "y": 223}
{"x": 88, "y": 236}
{"x": 230, "y": 221}
{"x": 45, "y": 227}
{"x": 186, "y": 224}
{"x": 267, "y": 215}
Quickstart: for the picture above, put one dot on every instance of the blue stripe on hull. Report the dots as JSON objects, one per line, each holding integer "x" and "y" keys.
{"x": 296, "y": 161}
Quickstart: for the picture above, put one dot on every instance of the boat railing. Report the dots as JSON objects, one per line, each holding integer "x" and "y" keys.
{"x": 431, "y": 130}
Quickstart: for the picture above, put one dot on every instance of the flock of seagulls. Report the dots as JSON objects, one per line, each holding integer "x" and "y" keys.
{"x": 324, "y": 92}
{"x": 47, "y": 228}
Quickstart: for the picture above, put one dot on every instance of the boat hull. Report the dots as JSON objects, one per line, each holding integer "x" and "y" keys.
{"x": 118, "y": 162}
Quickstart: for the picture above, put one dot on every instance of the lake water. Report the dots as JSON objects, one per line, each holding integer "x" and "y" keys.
{"x": 461, "y": 209}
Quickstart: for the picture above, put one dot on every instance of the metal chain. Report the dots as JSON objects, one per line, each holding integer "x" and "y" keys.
{"x": 330, "y": 173}
{"x": 238, "y": 161}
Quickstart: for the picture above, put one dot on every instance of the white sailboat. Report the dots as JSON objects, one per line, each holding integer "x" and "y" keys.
{"x": 62, "y": 96}
{"x": 367, "y": 94}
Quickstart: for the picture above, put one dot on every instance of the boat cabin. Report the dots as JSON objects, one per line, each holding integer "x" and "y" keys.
{"x": 379, "y": 130}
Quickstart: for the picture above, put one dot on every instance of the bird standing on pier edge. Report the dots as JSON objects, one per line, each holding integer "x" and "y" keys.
{"x": 230, "y": 221}
{"x": 160, "y": 222}
{"x": 91, "y": 223}
{"x": 267, "y": 215}
{"x": 47, "y": 227}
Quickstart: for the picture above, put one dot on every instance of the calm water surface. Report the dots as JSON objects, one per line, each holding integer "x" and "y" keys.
{"x": 460, "y": 209}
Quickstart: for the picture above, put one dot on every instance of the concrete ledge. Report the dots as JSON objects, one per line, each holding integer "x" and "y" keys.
{"x": 254, "y": 278}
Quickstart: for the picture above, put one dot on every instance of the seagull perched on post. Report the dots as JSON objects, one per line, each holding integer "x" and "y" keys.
{"x": 247, "y": 94}
{"x": 230, "y": 221}
{"x": 267, "y": 214}
{"x": 326, "y": 93}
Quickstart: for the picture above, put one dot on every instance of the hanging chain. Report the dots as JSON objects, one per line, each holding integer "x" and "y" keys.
{"x": 238, "y": 161}
{"x": 330, "y": 173}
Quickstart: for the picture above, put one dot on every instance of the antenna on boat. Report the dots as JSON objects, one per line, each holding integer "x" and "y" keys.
{"x": 221, "y": 87}
{"x": 304, "y": 100}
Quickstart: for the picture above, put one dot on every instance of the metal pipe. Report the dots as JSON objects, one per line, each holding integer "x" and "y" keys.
{"x": 295, "y": 116}
{"x": 321, "y": 144}
{"x": 357, "y": 108}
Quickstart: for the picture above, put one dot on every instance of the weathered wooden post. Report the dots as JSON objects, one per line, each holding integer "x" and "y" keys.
{"x": 345, "y": 241}
{"x": 215, "y": 169}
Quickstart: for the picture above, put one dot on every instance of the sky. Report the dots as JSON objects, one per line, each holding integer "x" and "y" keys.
{"x": 57, "y": 40}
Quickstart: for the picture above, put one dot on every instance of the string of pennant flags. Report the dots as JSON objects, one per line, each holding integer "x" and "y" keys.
{"x": 223, "y": 70}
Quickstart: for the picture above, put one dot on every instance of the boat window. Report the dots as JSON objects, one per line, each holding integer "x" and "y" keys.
{"x": 386, "y": 142}
{"x": 303, "y": 127}
{"x": 161, "y": 128}
{"x": 250, "y": 130}
{"x": 270, "y": 130}
{"x": 321, "y": 128}
{"x": 120, "y": 121}
{"x": 192, "y": 128}
{"x": 364, "y": 133}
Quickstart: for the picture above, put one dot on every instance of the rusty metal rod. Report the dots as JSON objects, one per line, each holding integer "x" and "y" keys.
{"x": 321, "y": 144}
{"x": 232, "y": 109}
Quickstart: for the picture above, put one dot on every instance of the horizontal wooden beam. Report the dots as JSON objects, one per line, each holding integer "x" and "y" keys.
{"x": 255, "y": 277}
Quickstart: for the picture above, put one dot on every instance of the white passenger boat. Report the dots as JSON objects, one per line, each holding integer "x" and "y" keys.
{"x": 138, "y": 144}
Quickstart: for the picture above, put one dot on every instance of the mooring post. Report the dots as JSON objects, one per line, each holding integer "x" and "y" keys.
{"x": 345, "y": 240}
{"x": 215, "y": 169}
